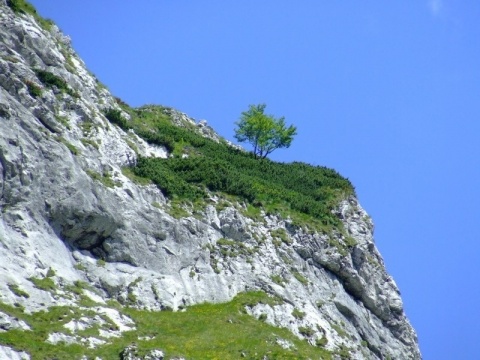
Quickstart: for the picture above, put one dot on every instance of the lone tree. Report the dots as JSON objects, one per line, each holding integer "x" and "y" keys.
{"x": 263, "y": 131}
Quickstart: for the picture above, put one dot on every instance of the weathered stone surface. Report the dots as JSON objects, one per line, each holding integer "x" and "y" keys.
{"x": 7, "y": 353}
{"x": 9, "y": 323}
{"x": 54, "y": 214}
{"x": 131, "y": 353}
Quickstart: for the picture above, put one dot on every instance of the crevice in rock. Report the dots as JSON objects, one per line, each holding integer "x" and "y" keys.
{"x": 2, "y": 180}
{"x": 354, "y": 288}
{"x": 83, "y": 231}
{"x": 345, "y": 311}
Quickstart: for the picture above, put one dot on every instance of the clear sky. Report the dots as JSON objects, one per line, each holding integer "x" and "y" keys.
{"x": 386, "y": 94}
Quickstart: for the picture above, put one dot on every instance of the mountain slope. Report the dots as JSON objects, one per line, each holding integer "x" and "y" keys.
{"x": 96, "y": 231}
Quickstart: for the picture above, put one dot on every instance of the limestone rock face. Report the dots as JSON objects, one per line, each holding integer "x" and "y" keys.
{"x": 60, "y": 221}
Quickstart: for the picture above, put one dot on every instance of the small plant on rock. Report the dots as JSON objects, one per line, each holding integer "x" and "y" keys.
{"x": 17, "y": 291}
{"x": 115, "y": 116}
{"x": 33, "y": 89}
{"x": 306, "y": 331}
{"x": 297, "y": 314}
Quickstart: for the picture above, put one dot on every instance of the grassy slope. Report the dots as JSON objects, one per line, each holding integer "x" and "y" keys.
{"x": 205, "y": 331}
{"x": 24, "y": 7}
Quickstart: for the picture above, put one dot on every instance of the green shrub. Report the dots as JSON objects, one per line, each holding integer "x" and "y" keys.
{"x": 300, "y": 277}
{"x": 340, "y": 331}
{"x": 24, "y": 7}
{"x": 306, "y": 331}
{"x": 51, "y": 80}
{"x": 90, "y": 142}
{"x": 115, "y": 117}
{"x": 297, "y": 314}
{"x": 321, "y": 342}
{"x": 101, "y": 263}
{"x": 17, "y": 291}
{"x": 70, "y": 147}
{"x": 128, "y": 172}
{"x": 63, "y": 120}
{"x": 15, "y": 5}
{"x": 45, "y": 284}
{"x": 50, "y": 273}
{"x": 282, "y": 235}
{"x": 33, "y": 89}
{"x": 105, "y": 178}
{"x": 277, "y": 279}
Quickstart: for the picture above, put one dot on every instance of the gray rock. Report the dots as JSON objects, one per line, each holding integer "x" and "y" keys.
{"x": 8, "y": 322}
{"x": 7, "y": 353}
{"x": 131, "y": 353}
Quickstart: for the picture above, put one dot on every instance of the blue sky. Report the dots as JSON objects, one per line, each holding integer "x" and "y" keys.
{"x": 388, "y": 95}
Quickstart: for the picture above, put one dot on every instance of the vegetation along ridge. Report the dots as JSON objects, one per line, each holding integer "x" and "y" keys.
{"x": 200, "y": 165}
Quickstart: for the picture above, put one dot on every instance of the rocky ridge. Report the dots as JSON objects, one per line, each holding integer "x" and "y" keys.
{"x": 77, "y": 231}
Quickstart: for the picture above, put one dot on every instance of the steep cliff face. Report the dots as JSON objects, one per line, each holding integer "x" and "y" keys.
{"x": 76, "y": 230}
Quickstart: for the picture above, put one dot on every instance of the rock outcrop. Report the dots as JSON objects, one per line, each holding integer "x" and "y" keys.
{"x": 69, "y": 215}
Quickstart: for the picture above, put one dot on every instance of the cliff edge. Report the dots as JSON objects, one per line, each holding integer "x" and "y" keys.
{"x": 90, "y": 251}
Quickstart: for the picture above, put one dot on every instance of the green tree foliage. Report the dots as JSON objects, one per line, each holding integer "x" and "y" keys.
{"x": 263, "y": 131}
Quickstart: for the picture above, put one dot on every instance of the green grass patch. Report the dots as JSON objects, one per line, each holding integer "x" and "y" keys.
{"x": 299, "y": 277}
{"x": 115, "y": 116}
{"x": 50, "y": 273}
{"x": 306, "y": 331}
{"x": 42, "y": 324}
{"x": 139, "y": 180}
{"x": 51, "y": 80}
{"x": 297, "y": 314}
{"x": 344, "y": 246}
{"x": 350, "y": 242}
{"x": 177, "y": 210}
{"x": 277, "y": 279}
{"x": 321, "y": 342}
{"x": 46, "y": 284}
{"x": 132, "y": 146}
{"x": 24, "y": 7}
{"x": 90, "y": 142}
{"x": 17, "y": 291}
{"x": 34, "y": 90}
{"x": 221, "y": 331}
{"x": 80, "y": 267}
{"x": 232, "y": 248}
{"x": 72, "y": 148}
{"x": 205, "y": 331}
{"x": 105, "y": 178}
{"x": 77, "y": 287}
{"x": 101, "y": 263}
{"x": 340, "y": 331}
{"x": 253, "y": 212}
{"x": 63, "y": 120}
{"x": 87, "y": 127}
{"x": 281, "y": 234}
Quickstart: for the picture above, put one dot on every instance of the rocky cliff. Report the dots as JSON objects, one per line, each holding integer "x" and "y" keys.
{"x": 89, "y": 253}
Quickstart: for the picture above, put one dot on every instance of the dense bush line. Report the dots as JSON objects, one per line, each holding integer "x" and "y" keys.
{"x": 313, "y": 190}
